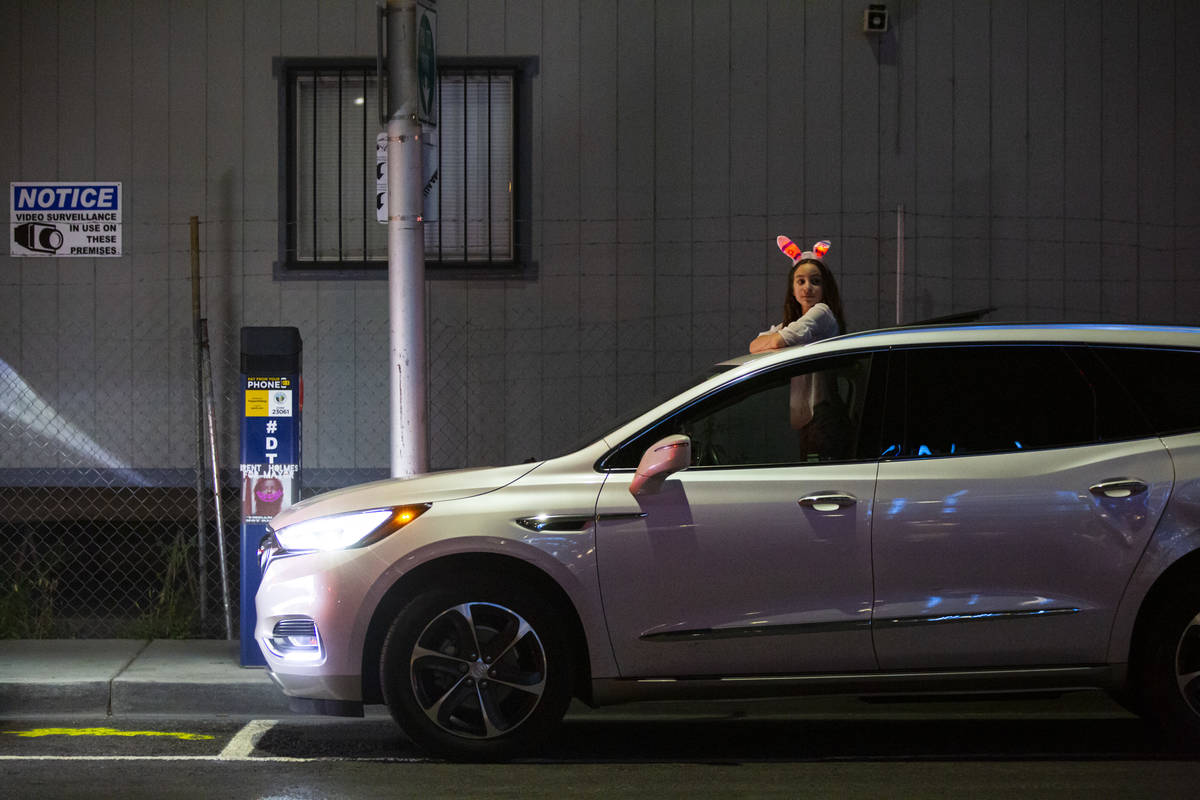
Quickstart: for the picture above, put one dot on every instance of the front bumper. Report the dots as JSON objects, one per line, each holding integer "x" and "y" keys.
{"x": 318, "y": 706}
{"x": 328, "y": 592}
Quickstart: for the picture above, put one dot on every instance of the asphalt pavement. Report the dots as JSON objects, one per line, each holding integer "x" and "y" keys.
{"x": 129, "y": 676}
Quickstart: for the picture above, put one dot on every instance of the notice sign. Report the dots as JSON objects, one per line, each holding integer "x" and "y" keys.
{"x": 66, "y": 220}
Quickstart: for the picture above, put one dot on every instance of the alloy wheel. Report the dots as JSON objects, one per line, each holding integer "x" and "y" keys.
{"x": 478, "y": 670}
{"x": 1187, "y": 665}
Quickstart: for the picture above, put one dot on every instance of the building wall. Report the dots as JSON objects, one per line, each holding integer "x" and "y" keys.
{"x": 1042, "y": 151}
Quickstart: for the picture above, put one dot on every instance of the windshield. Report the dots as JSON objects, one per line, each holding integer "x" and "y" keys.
{"x": 596, "y": 430}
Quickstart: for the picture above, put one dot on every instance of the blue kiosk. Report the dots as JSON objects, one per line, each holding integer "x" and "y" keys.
{"x": 270, "y": 453}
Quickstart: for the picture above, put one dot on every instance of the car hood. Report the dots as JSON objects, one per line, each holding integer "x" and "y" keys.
{"x": 428, "y": 488}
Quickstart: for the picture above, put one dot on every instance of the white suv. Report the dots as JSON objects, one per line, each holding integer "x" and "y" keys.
{"x": 962, "y": 509}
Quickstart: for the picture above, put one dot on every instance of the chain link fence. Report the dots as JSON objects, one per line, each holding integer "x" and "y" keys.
{"x": 96, "y": 546}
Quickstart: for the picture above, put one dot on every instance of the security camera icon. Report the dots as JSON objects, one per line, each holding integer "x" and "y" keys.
{"x": 38, "y": 237}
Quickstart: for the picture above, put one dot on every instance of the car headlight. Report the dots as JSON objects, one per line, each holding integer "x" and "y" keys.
{"x": 342, "y": 531}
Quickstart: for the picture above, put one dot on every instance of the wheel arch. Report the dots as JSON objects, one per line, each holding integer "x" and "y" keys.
{"x": 450, "y": 567}
{"x": 1185, "y": 569}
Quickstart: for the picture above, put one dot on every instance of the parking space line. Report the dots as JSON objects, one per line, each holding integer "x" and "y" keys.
{"x": 240, "y": 748}
{"x": 109, "y": 758}
{"x": 40, "y": 732}
{"x": 242, "y": 744}
{"x": 286, "y": 759}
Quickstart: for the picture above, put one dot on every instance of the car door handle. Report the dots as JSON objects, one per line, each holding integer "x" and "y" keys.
{"x": 1118, "y": 487}
{"x": 827, "y": 501}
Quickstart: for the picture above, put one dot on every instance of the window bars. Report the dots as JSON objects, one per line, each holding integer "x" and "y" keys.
{"x": 332, "y": 169}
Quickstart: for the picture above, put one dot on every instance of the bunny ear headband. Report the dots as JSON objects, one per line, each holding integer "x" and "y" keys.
{"x": 792, "y": 250}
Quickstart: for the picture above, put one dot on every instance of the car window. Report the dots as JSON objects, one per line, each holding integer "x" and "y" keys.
{"x": 807, "y": 413}
{"x": 1117, "y": 416}
{"x": 1161, "y": 381}
{"x": 989, "y": 399}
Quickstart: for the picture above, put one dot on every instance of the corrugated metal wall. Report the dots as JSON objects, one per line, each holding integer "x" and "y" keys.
{"x": 1043, "y": 151}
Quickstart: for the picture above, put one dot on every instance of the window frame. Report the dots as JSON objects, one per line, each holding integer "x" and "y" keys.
{"x": 520, "y": 266}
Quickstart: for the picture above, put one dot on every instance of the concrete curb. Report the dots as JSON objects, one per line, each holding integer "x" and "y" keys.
{"x": 119, "y": 676}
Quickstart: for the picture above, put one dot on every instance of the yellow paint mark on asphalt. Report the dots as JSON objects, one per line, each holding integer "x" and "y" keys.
{"x": 104, "y": 732}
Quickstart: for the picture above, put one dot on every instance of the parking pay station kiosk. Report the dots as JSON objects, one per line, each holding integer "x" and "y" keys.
{"x": 270, "y": 448}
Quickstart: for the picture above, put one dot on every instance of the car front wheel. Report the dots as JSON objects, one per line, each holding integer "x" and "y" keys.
{"x": 477, "y": 672}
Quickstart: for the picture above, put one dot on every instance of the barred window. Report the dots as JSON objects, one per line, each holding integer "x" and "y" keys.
{"x": 331, "y": 222}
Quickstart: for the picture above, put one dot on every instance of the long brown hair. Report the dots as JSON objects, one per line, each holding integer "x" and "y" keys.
{"x": 830, "y": 295}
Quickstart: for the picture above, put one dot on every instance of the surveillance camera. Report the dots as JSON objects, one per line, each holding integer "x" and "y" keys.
{"x": 875, "y": 18}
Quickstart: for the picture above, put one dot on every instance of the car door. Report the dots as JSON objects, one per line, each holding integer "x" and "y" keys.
{"x": 756, "y": 560}
{"x": 1016, "y": 497}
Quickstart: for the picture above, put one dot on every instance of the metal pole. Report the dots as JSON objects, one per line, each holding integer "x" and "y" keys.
{"x": 406, "y": 246}
{"x": 201, "y": 520}
{"x": 210, "y": 414}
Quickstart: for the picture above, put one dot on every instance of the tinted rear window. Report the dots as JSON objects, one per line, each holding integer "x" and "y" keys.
{"x": 992, "y": 399}
{"x": 1162, "y": 382}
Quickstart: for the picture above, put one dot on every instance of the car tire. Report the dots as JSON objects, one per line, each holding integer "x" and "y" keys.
{"x": 1170, "y": 673}
{"x": 494, "y": 703}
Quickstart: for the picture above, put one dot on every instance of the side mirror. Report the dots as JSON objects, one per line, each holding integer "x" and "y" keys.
{"x": 661, "y": 459}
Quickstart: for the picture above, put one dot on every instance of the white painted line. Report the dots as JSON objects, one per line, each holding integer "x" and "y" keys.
{"x": 241, "y": 746}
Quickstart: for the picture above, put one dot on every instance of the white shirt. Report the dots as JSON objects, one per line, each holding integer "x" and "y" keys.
{"x": 808, "y": 390}
{"x": 817, "y": 323}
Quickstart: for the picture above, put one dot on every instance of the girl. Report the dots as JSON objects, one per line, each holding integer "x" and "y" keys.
{"x": 812, "y": 307}
{"x": 812, "y": 310}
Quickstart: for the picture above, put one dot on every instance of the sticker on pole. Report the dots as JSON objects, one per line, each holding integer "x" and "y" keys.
{"x": 65, "y": 219}
{"x": 427, "y": 74}
{"x": 430, "y": 190}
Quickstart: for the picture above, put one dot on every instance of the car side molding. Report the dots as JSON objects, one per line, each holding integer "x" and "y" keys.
{"x": 793, "y": 629}
{"x": 611, "y": 691}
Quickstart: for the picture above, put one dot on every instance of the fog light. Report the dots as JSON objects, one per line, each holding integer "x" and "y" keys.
{"x": 300, "y": 642}
{"x": 295, "y": 639}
